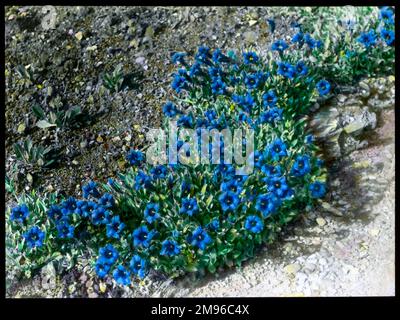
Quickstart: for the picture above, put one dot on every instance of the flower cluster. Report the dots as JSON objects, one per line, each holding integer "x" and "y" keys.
{"x": 174, "y": 218}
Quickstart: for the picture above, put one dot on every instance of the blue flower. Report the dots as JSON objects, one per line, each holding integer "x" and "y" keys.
{"x": 309, "y": 139}
{"x": 229, "y": 200}
{"x": 100, "y": 216}
{"x": 142, "y": 180}
{"x": 185, "y": 187}
{"x": 203, "y": 54}
{"x": 107, "y": 200}
{"x": 254, "y": 224}
{"x": 245, "y": 102}
{"x": 34, "y": 237}
{"x": 102, "y": 268}
{"x": 231, "y": 185}
{"x": 114, "y": 227}
{"x": 252, "y": 81}
{"x": 298, "y": 38}
{"x": 65, "y": 230}
{"x": 279, "y": 45}
{"x": 271, "y": 116}
{"x": 108, "y": 254}
{"x": 312, "y": 43}
{"x": 151, "y": 212}
{"x": 218, "y": 56}
{"x": 277, "y": 149}
{"x": 135, "y": 157}
{"x": 250, "y": 57}
{"x": 189, "y": 206}
{"x": 270, "y": 99}
{"x": 267, "y": 204}
{"x": 138, "y": 266}
{"x": 215, "y": 72}
{"x": 301, "y": 68}
{"x": 19, "y": 213}
{"x": 317, "y": 189}
{"x": 90, "y": 190}
{"x": 286, "y": 69}
{"x": 200, "y": 238}
{"x": 278, "y": 185}
{"x": 170, "y": 248}
{"x": 179, "y": 83}
{"x": 368, "y": 39}
{"x": 170, "y": 109}
{"x": 195, "y": 69}
{"x": 179, "y": 57}
{"x": 55, "y": 213}
{"x": 256, "y": 158}
{"x": 86, "y": 208}
{"x": 210, "y": 114}
{"x": 301, "y": 166}
{"x": 387, "y": 36}
{"x": 218, "y": 86}
{"x": 159, "y": 172}
{"x": 142, "y": 236}
{"x": 214, "y": 224}
{"x": 122, "y": 275}
{"x": 319, "y": 162}
{"x": 271, "y": 171}
{"x": 323, "y": 87}
{"x": 226, "y": 171}
{"x": 185, "y": 121}
{"x": 386, "y": 15}
{"x": 68, "y": 206}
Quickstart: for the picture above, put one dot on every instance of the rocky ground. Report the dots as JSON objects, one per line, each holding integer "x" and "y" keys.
{"x": 346, "y": 247}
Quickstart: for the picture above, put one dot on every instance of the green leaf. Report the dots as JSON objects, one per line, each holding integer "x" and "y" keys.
{"x": 45, "y": 124}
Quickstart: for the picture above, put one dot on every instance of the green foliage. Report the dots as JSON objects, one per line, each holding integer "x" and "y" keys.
{"x": 113, "y": 81}
{"x": 35, "y": 155}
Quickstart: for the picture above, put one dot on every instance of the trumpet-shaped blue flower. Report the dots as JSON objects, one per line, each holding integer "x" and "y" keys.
{"x": 267, "y": 204}
{"x": 301, "y": 166}
{"x": 65, "y": 230}
{"x": 159, "y": 172}
{"x": 19, "y": 213}
{"x": 68, "y": 206}
{"x": 151, "y": 213}
{"x": 317, "y": 189}
{"x": 122, "y": 275}
{"x": 34, "y": 237}
{"x": 55, "y": 213}
{"x": 254, "y": 224}
{"x": 218, "y": 87}
{"x": 189, "y": 206}
{"x": 286, "y": 69}
{"x": 142, "y": 236}
{"x": 323, "y": 87}
{"x": 200, "y": 238}
{"x": 368, "y": 39}
{"x": 169, "y": 109}
{"x": 142, "y": 180}
{"x": 301, "y": 68}
{"x": 270, "y": 99}
{"x": 170, "y": 248}
{"x": 179, "y": 57}
{"x": 138, "y": 266}
{"x": 135, "y": 157}
{"x": 250, "y": 58}
{"x": 231, "y": 185}
{"x": 100, "y": 216}
{"x": 108, "y": 254}
{"x": 229, "y": 201}
{"x": 387, "y": 36}
{"x": 279, "y": 45}
{"x": 102, "y": 268}
{"x": 277, "y": 149}
{"x": 90, "y": 189}
{"x": 278, "y": 185}
{"x": 107, "y": 200}
{"x": 114, "y": 228}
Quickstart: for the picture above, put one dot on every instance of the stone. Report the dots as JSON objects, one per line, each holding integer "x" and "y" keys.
{"x": 292, "y": 268}
{"x": 79, "y": 35}
{"x": 321, "y": 221}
